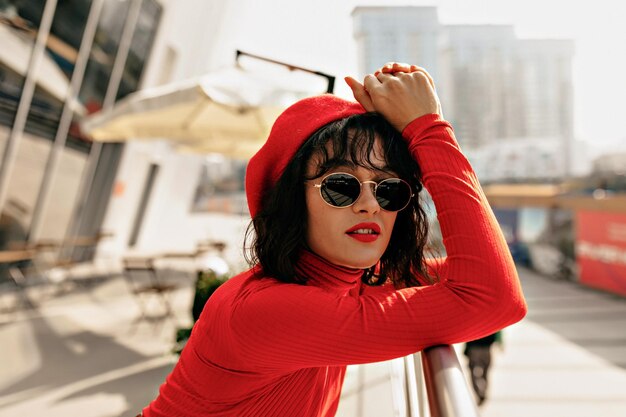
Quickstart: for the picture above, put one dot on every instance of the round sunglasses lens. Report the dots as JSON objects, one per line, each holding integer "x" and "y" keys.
{"x": 393, "y": 194}
{"x": 340, "y": 190}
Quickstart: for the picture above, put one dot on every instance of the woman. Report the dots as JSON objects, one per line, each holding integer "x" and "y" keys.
{"x": 339, "y": 275}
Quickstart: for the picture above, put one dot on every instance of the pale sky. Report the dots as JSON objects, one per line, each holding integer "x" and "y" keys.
{"x": 318, "y": 34}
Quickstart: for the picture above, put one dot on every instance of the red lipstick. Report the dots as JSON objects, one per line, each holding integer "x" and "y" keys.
{"x": 364, "y": 232}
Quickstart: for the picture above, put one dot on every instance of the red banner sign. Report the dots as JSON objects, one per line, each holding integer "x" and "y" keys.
{"x": 601, "y": 250}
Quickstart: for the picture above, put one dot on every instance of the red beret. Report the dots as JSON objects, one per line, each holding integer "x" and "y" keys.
{"x": 290, "y": 130}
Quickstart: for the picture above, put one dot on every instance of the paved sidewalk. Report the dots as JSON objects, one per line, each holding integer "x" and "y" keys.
{"x": 566, "y": 359}
{"x": 83, "y": 354}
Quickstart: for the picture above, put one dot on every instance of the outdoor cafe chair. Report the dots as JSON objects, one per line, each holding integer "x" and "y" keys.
{"x": 148, "y": 287}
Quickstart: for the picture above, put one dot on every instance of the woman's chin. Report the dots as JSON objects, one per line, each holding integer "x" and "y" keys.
{"x": 356, "y": 264}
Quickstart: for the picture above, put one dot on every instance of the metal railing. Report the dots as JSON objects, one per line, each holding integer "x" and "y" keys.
{"x": 425, "y": 384}
{"x": 446, "y": 386}
{"x": 434, "y": 385}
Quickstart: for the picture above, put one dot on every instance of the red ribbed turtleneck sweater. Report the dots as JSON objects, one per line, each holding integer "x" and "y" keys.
{"x": 267, "y": 348}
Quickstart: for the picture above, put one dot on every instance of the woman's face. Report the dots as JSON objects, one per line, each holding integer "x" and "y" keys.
{"x": 336, "y": 234}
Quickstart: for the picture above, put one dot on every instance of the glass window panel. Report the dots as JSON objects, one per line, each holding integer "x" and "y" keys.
{"x": 103, "y": 52}
{"x": 221, "y": 187}
{"x": 57, "y": 64}
{"x": 63, "y": 192}
{"x": 140, "y": 47}
{"x": 18, "y": 24}
{"x": 16, "y": 29}
{"x": 27, "y": 173}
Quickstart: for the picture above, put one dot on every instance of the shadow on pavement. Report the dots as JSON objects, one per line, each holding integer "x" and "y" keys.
{"x": 139, "y": 389}
{"x": 72, "y": 358}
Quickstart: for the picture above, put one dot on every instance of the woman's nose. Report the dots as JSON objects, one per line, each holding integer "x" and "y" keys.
{"x": 367, "y": 199}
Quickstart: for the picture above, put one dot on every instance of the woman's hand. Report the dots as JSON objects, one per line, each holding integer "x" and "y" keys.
{"x": 400, "y": 92}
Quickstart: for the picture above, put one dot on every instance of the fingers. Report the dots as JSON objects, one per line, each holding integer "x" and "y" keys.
{"x": 395, "y": 68}
{"x": 382, "y": 77}
{"x": 391, "y": 67}
{"x": 360, "y": 93}
{"x": 371, "y": 82}
{"x": 415, "y": 68}
{"x": 400, "y": 96}
{"x": 404, "y": 78}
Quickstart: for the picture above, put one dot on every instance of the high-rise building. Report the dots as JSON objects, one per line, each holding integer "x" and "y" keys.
{"x": 493, "y": 86}
{"x": 404, "y": 34}
{"x": 544, "y": 68}
{"x": 481, "y": 97}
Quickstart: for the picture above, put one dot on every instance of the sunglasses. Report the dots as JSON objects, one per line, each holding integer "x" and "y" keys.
{"x": 341, "y": 190}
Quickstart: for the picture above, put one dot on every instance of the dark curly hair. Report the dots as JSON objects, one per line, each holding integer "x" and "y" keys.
{"x": 278, "y": 231}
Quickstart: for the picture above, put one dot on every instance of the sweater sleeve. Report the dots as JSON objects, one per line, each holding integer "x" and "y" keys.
{"x": 293, "y": 326}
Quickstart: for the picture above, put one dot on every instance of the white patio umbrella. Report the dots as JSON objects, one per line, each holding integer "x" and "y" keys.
{"x": 229, "y": 112}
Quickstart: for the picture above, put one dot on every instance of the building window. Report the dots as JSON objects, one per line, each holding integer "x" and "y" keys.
{"x": 221, "y": 187}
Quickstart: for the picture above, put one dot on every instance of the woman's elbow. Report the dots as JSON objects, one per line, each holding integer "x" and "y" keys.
{"x": 519, "y": 309}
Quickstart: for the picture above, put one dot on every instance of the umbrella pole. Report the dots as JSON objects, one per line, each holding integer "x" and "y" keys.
{"x": 330, "y": 78}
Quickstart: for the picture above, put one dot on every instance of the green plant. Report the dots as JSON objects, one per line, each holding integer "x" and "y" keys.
{"x": 206, "y": 283}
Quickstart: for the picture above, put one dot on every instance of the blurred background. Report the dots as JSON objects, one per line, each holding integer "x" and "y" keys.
{"x": 126, "y": 125}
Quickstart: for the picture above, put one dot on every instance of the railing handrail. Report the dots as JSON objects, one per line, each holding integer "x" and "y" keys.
{"x": 446, "y": 387}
